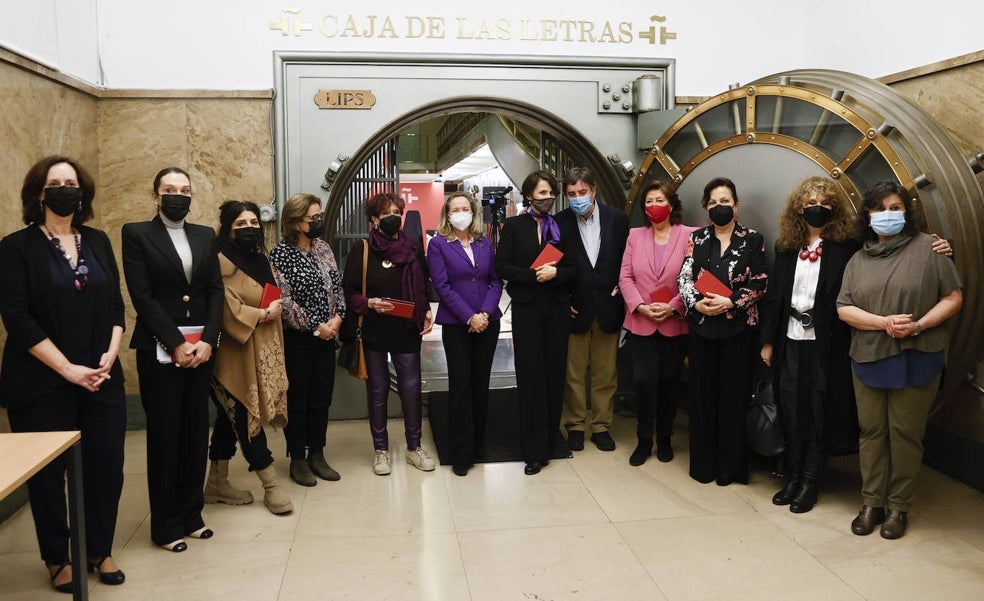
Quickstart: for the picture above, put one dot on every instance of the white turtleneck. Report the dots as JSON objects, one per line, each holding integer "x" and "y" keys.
{"x": 175, "y": 229}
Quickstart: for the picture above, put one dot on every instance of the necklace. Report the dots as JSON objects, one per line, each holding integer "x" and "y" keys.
{"x": 80, "y": 270}
{"x": 811, "y": 255}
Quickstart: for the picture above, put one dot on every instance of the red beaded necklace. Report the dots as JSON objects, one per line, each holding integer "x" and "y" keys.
{"x": 812, "y": 256}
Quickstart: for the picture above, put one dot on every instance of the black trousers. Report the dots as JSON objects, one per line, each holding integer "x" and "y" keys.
{"x": 801, "y": 394}
{"x": 175, "y": 400}
{"x": 720, "y": 378}
{"x": 226, "y": 431}
{"x": 540, "y": 331}
{"x": 310, "y": 364}
{"x": 101, "y": 417}
{"x": 469, "y": 359}
{"x": 656, "y": 364}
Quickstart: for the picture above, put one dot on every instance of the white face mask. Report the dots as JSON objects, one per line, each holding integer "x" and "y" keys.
{"x": 460, "y": 220}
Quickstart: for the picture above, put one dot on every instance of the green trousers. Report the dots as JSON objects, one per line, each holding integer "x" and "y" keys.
{"x": 893, "y": 421}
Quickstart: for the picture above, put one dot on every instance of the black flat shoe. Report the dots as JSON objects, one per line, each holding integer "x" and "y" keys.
{"x": 724, "y": 479}
{"x": 117, "y": 577}
{"x": 460, "y": 470}
{"x": 65, "y": 587}
{"x": 532, "y": 468}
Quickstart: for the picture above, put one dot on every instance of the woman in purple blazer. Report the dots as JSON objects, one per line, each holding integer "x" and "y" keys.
{"x": 462, "y": 267}
{"x": 654, "y": 316}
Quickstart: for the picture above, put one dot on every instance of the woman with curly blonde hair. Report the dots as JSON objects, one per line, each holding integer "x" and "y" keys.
{"x": 803, "y": 338}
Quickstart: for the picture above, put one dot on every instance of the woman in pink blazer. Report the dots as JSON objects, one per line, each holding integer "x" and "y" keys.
{"x": 654, "y": 317}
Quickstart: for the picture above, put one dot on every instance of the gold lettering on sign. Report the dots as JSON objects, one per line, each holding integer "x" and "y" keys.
{"x": 345, "y": 99}
{"x": 480, "y": 30}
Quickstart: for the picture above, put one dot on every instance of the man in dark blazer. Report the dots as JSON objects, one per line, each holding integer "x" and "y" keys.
{"x": 597, "y": 235}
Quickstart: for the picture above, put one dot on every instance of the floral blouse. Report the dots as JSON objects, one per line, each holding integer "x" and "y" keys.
{"x": 310, "y": 284}
{"x": 743, "y": 267}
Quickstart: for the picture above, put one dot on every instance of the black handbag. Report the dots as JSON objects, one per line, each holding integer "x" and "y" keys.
{"x": 764, "y": 430}
{"x": 348, "y": 355}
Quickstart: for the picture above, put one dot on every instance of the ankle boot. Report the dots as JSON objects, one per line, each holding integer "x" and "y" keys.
{"x": 664, "y": 450}
{"x": 320, "y": 467}
{"x": 642, "y": 452}
{"x": 274, "y": 498}
{"x": 219, "y": 490}
{"x": 806, "y": 498}
{"x": 789, "y": 491}
{"x": 300, "y": 472}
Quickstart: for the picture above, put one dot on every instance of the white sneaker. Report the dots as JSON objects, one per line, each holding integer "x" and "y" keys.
{"x": 420, "y": 459}
{"x": 382, "y": 463}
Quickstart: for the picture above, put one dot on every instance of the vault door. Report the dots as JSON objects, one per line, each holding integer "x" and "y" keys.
{"x": 771, "y": 133}
{"x": 380, "y": 173}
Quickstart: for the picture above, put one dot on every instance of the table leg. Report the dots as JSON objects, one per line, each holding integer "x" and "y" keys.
{"x": 76, "y": 517}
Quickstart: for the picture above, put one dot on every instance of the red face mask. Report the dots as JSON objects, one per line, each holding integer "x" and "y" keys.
{"x": 658, "y": 213}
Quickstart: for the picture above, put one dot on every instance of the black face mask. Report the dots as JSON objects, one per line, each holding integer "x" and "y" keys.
{"x": 63, "y": 201}
{"x": 315, "y": 229}
{"x": 816, "y": 215}
{"x": 390, "y": 224}
{"x": 721, "y": 215}
{"x": 248, "y": 238}
{"x": 175, "y": 206}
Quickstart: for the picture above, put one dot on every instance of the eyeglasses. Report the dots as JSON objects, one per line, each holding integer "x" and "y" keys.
{"x": 315, "y": 217}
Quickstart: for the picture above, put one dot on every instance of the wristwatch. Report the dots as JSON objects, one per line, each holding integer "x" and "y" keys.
{"x": 918, "y": 329}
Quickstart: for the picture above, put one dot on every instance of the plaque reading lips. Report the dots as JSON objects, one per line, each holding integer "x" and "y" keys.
{"x": 345, "y": 99}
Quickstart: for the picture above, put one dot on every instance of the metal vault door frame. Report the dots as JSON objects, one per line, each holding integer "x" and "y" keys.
{"x": 489, "y": 83}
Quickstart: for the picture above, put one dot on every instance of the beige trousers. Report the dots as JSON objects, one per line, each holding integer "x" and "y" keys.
{"x": 594, "y": 349}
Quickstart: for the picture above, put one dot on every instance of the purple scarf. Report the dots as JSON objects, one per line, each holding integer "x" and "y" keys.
{"x": 402, "y": 251}
{"x": 549, "y": 230}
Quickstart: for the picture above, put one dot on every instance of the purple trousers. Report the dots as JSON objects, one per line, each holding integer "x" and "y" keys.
{"x": 377, "y": 392}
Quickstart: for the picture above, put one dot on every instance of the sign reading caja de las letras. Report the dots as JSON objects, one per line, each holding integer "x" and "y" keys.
{"x": 345, "y": 99}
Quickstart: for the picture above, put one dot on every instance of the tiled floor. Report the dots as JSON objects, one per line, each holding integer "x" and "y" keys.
{"x": 591, "y": 527}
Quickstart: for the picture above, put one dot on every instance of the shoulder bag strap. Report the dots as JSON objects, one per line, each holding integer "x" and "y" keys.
{"x": 365, "y": 266}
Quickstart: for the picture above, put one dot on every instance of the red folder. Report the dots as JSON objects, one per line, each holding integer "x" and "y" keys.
{"x": 401, "y": 308}
{"x": 663, "y": 294}
{"x": 192, "y": 334}
{"x": 270, "y": 294}
{"x": 706, "y": 282}
{"x": 548, "y": 254}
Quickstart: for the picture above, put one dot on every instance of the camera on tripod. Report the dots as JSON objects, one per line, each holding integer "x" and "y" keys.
{"x": 494, "y": 202}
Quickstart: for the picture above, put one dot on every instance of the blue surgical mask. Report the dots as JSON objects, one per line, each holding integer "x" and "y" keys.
{"x": 888, "y": 223}
{"x": 581, "y": 204}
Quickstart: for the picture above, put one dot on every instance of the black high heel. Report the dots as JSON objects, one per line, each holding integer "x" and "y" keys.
{"x": 117, "y": 577}
{"x": 61, "y": 588}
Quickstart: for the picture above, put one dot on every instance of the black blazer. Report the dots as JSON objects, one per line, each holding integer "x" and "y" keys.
{"x": 518, "y": 248}
{"x": 833, "y": 338}
{"x": 591, "y": 294}
{"x": 26, "y": 289}
{"x": 161, "y": 295}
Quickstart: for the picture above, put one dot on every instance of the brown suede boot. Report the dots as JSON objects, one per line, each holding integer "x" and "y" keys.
{"x": 274, "y": 498}
{"x": 219, "y": 490}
